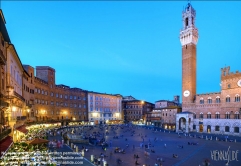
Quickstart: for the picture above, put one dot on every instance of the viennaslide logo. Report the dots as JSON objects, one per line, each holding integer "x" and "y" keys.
{"x": 224, "y": 155}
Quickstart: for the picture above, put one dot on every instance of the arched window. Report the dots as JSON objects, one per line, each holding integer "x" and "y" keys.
{"x": 186, "y": 22}
{"x": 194, "y": 116}
{"x": 236, "y": 115}
{"x": 201, "y": 101}
{"x": 228, "y": 99}
{"x": 201, "y": 115}
{"x": 237, "y": 98}
{"x": 218, "y": 99}
{"x": 217, "y": 115}
{"x": 209, "y": 115}
{"x": 209, "y": 100}
{"x": 227, "y": 115}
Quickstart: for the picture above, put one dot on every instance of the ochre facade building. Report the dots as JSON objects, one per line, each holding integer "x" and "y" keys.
{"x": 58, "y": 102}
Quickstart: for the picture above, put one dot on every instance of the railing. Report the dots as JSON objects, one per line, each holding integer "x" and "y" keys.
{"x": 5, "y": 133}
{"x": 21, "y": 117}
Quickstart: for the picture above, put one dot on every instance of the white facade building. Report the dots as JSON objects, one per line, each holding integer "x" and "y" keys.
{"x": 104, "y": 108}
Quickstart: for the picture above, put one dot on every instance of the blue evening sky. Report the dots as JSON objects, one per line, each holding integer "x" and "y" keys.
{"x": 124, "y": 47}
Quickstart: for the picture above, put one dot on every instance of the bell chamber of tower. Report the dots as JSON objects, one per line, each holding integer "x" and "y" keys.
{"x": 188, "y": 38}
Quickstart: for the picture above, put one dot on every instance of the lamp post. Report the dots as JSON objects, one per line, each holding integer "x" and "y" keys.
{"x": 142, "y": 103}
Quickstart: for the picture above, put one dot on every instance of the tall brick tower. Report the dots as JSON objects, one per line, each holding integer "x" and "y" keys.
{"x": 188, "y": 38}
{"x": 47, "y": 74}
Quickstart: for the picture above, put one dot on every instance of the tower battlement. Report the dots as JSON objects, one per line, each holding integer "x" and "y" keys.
{"x": 226, "y": 74}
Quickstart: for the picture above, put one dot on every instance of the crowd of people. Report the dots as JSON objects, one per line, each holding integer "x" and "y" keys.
{"x": 97, "y": 136}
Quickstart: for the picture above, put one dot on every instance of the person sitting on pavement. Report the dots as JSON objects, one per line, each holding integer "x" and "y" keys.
{"x": 119, "y": 161}
{"x": 137, "y": 163}
{"x": 175, "y": 156}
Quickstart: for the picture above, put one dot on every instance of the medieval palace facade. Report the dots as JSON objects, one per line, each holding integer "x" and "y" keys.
{"x": 212, "y": 112}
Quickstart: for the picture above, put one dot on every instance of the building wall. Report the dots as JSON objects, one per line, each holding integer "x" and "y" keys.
{"x": 205, "y": 112}
{"x": 164, "y": 103}
{"x": 28, "y": 91}
{"x": 136, "y": 110}
{"x": 3, "y": 92}
{"x": 164, "y": 117}
{"x": 58, "y": 102}
{"x": 14, "y": 70}
{"x": 14, "y": 83}
{"x": 103, "y": 108}
{"x": 169, "y": 117}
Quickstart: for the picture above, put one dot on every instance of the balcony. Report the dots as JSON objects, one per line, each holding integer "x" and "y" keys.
{"x": 29, "y": 105}
{"x": 19, "y": 96}
{"x": 153, "y": 118}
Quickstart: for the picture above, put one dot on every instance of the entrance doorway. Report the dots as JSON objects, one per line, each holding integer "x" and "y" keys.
{"x": 182, "y": 124}
{"x": 208, "y": 129}
{"x": 201, "y": 128}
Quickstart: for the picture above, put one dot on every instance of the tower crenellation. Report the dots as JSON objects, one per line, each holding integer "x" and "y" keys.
{"x": 225, "y": 71}
{"x": 226, "y": 74}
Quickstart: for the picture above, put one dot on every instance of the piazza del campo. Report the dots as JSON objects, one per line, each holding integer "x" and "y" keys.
{"x": 44, "y": 123}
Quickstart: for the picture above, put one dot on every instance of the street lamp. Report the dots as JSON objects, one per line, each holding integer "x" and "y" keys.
{"x": 28, "y": 113}
{"x": 13, "y": 109}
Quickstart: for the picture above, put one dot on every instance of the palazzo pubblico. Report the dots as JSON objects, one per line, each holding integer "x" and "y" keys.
{"x": 211, "y": 112}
